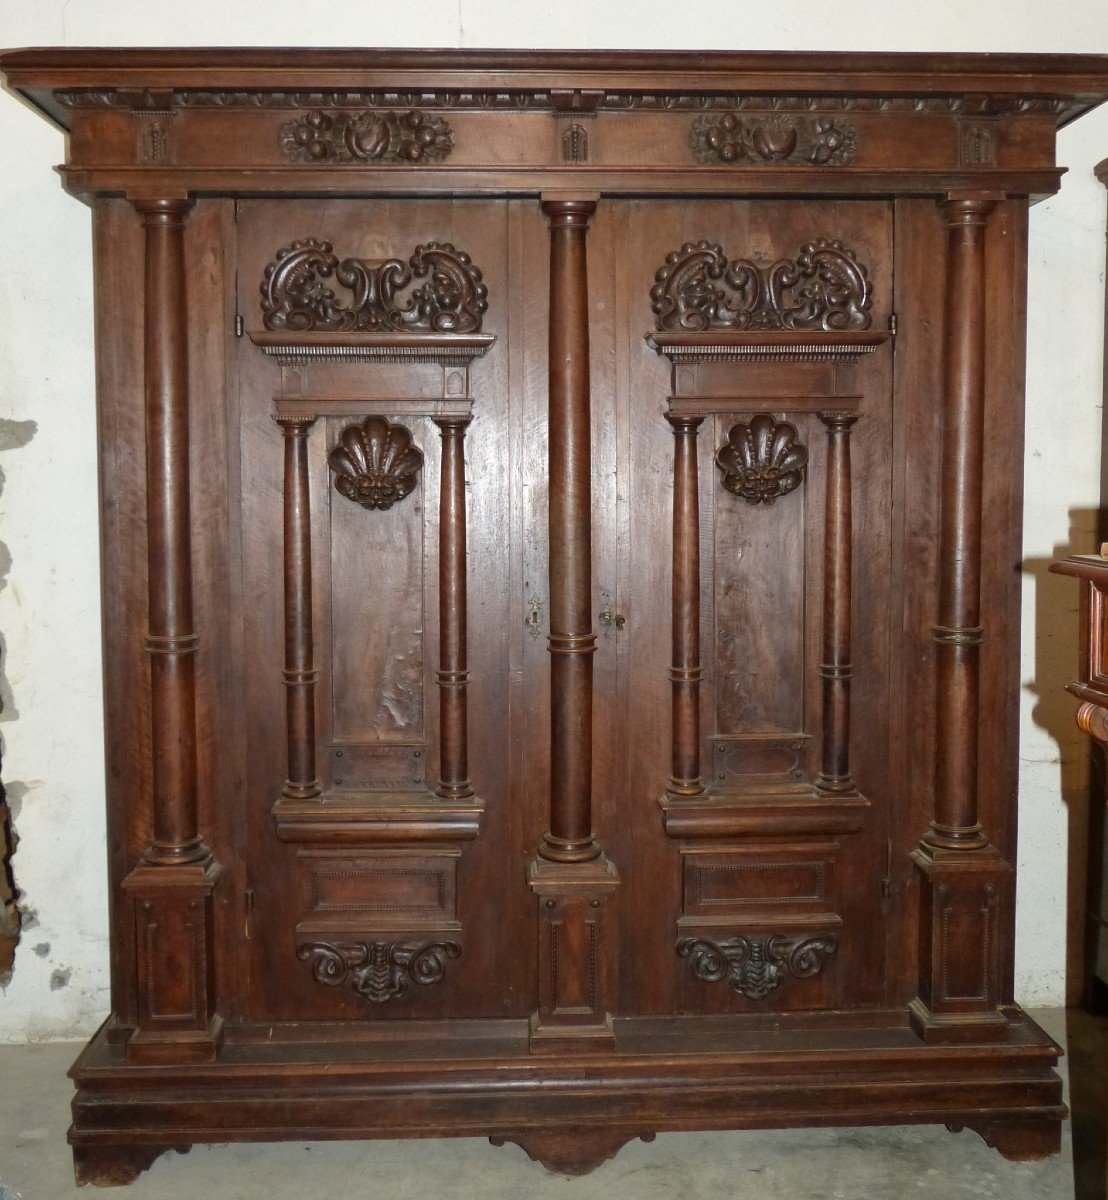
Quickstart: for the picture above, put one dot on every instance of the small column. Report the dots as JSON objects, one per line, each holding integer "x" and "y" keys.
{"x": 171, "y": 887}
{"x": 964, "y": 880}
{"x": 570, "y": 876}
{"x": 685, "y": 673}
{"x": 835, "y": 669}
{"x": 452, "y": 674}
{"x": 299, "y": 673}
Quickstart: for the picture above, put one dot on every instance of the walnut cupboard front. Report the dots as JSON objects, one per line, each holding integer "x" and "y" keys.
{"x": 559, "y": 517}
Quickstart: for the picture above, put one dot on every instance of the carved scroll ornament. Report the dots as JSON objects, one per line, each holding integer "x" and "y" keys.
{"x": 823, "y": 287}
{"x": 375, "y": 463}
{"x": 773, "y": 138}
{"x": 757, "y": 965}
{"x": 762, "y": 460}
{"x": 391, "y": 137}
{"x": 294, "y": 296}
{"x": 379, "y": 971}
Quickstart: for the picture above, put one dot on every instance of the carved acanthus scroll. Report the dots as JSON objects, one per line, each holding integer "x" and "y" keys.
{"x": 294, "y": 296}
{"x": 375, "y": 463}
{"x": 762, "y": 460}
{"x": 396, "y": 137}
{"x": 823, "y": 287}
{"x": 773, "y": 138}
{"x": 755, "y": 966}
{"x": 379, "y": 971}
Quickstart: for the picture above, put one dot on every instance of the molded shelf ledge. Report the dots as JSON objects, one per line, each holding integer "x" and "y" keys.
{"x": 447, "y": 349}
{"x": 762, "y": 345}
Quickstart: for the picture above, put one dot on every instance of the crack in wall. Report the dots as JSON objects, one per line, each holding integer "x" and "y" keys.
{"x": 14, "y": 435}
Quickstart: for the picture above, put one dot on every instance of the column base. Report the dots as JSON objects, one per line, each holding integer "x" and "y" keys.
{"x": 577, "y": 944}
{"x": 962, "y": 896}
{"x": 175, "y": 986}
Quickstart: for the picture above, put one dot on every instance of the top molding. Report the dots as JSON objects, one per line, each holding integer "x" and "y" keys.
{"x": 567, "y": 80}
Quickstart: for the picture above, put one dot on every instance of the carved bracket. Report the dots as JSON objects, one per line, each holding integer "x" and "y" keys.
{"x": 390, "y": 137}
{"x": 375, "y": 463}
{"x": 755, "y": 966}
{"x": 774, "y": 138}
{"x": 379, "y": 971}
{"x": 762, "y": 460}
{"x": 823, "y": 287}
{"x": 294, "y": 296}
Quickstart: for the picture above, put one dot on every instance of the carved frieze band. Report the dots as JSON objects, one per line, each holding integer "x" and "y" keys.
{"x": 375, "y": 463}
{"x": 775, "y": 138}
{"x": 762, "y": 460}
{"x": 757, "y": 965}
{"x": 295, "y": 296}
{"x": 367, "y": 136}
{"x": 541, "y": 100}
{"x": 379, "y": 971}
{"x": 824, "y": 287}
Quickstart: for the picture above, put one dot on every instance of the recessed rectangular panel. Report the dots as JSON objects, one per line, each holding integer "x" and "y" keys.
{"x": 730, "y": 884}
{"x": 377, "y": 669}
{"x": 377, "y": 890}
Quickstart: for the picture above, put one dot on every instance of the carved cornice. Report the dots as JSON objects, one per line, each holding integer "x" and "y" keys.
{"x": 375, "y": 463}
{"x": 366, "y": 136}
{"x": 757, "y": 965}
{"x": 823, "y": 288}
{"x": 544, "y": 101}
{"x": 775, "y": 138}
{"x": 379, "y": 971}
{"x": 762, "y": 460}
{"x": 294, "y": 297}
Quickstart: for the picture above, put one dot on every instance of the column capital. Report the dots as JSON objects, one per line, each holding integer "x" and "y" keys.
{"x": 569, "y": 210}
{"x": 161, "y": 210}
{"x": 968, "y": 208}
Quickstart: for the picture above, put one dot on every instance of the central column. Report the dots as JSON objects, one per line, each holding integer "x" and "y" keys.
{"x": 570, "y": 876}
{"x": 572, "y": 639}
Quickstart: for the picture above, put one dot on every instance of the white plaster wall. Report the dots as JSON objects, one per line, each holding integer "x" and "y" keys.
{"x": 49, "y": 608}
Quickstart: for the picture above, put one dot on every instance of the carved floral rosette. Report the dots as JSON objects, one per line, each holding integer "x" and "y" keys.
{"x": 295, "y": 297}
{"x": 375, "y": 463}
{"x": 823, "y": 288}
{"x": 772, "y": 138}
{"x": 762, "y": 460}
{"x": 757, "y": 965}
{"x": 368, "y": 136}
{"x": 379, "y": 971}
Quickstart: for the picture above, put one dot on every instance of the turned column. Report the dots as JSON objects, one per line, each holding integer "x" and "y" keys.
{"x": 571, "y": 878}
{"x": 835, "y": 669}
{"x": 452, "y": 674}
{"x": 299, "y": 673}
{"x": 964, "y": 880}
{"x": 171, "y": 887}
{"x": 685, "y": 671}
{"x": 572, "y": 640}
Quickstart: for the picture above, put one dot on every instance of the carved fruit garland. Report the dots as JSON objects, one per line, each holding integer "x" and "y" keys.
{"x": 762, "y": 460}
{"x": 392, "y": 137}
{"x": 824, "y": 287}
{"x": 375, "y": 463}
{"x": 774, "y": 138}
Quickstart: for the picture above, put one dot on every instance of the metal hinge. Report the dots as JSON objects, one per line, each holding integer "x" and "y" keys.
{"x": 240, "y": 325}
{"x": 892, "y": 324}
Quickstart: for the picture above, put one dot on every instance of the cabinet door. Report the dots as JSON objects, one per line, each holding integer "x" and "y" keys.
{"x": 776, "y": 863}
{"x": 376, "y": 892}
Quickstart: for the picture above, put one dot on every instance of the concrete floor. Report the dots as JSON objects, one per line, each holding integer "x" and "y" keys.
{"x": 849, "y": 1164}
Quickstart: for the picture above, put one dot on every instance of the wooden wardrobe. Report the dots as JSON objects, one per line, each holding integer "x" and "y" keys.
{"x": 561, "y": 523}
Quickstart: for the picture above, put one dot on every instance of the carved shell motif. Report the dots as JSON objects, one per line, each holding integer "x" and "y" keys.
{"x": 762, "y": 460}
{"x": 375, "y": 463}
